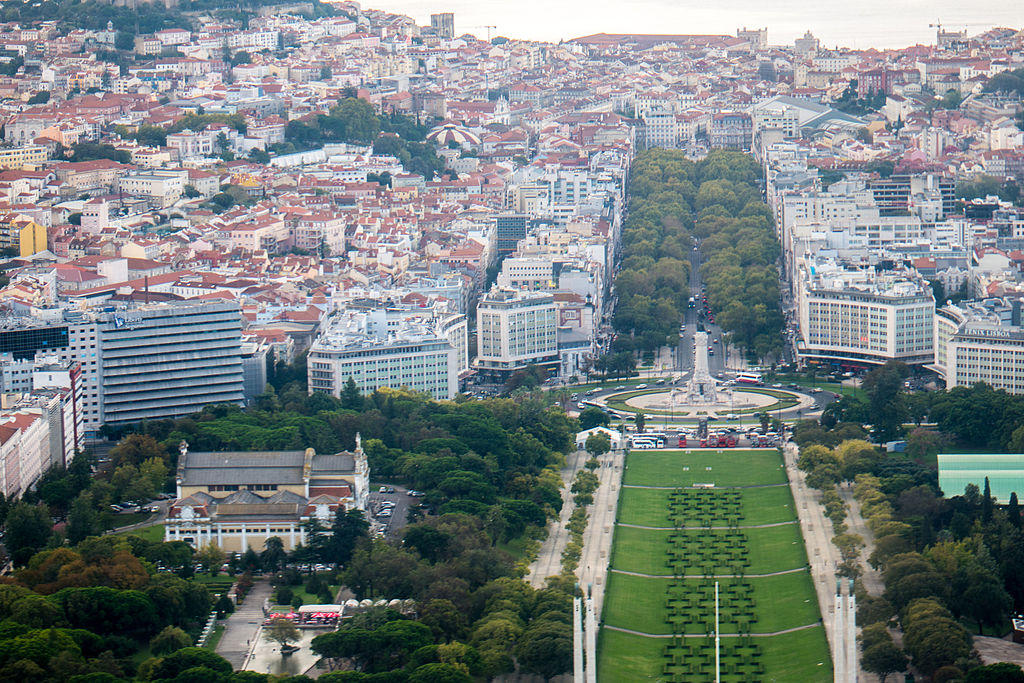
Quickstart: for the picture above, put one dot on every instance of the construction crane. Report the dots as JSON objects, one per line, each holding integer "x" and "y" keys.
{"x": 938, "y": 24}
{"x": 488, "y": 27}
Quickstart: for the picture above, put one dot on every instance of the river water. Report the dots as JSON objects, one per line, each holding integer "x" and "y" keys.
{"x": 860, "y": 25}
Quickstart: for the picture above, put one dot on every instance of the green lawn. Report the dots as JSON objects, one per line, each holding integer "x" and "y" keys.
{"x": 639, "y": 603}
{"x": 649, "y": 507}
{"x": 771, "y": 549}
{"x": 153, "y": 534}
{"x": 773, "y": 603}
{"x": 787, "y": 658}
{"x": 214, "y": 639}
{"x": 685, "y": 468}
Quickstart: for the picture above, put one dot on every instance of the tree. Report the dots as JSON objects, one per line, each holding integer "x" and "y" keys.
{"x": 170, "y": 639}
{"x": 884, "y": 659}
{"x": 282, "y": 631}
{"x": 351, "y": 399}
{"x": 124, "y": 41}
{"x": 1013, "y": 511}
{"x": 349, "y": 527}
{"x": 641, "y": 422}
{"x": 41, "y": 97}
{"x": 598, "y": 444}
{"x": 986, "y": 503}
{"x": 1001, "y": 672}
{"x": 190, "y": 658}
{"x": 273, "y": 555}
{"x": 28, "y": 529}
{"x": 591, "y": 417}
{"x": 546, "y": 649}
{"x": 191, "y": 192}
{"x": 83, "y": 520}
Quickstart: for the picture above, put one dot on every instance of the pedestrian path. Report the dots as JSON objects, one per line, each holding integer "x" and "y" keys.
{"x": 243, "y": 625}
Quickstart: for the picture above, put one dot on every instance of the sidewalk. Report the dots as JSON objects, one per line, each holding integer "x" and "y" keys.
{"x": 243, "y": 625}
{"x": 549, "y": 559}
{"x": 597, "y": 539}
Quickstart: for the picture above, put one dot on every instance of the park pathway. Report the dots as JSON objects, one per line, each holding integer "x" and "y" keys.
{"x": 549, "y": 558}
{"x": 704, "y": 576}
{"x": 243, "y": 625}
{"x": 597, "y": 539}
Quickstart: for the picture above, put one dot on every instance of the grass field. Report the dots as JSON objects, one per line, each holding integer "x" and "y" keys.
{"x": 783, "y": 400}
{"x": 649, "y": 507}
{"x": 637, "y": 603}
{"x": 728, "y": 467}
{"x": 798, "y": 656}
{"x": 771, "y": 549}
{"x": 750, "y": 491}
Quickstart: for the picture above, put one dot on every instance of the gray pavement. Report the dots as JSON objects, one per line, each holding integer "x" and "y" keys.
{"x": 597, "y": 540}
{"x": 549, "y": 559}
{"x": 243, "y": 625}
{"x": 822, "y": 556}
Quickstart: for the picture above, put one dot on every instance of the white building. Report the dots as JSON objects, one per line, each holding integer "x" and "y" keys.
{"x": 857, "y": 317}
{"x": 422, "y": 355}
{"x": 515, "y": 329}
{"x": 980, "y": 341}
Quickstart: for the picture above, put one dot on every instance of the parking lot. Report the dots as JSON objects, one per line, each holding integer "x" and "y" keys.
{"x": 389, "y": 509}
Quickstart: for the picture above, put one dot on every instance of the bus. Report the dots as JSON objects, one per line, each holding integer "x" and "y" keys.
{"x": 659, "y": 439}
{"x": 749, "y": 378}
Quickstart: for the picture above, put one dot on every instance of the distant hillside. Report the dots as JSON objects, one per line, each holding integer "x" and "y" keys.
{"x": 151, "y": 15}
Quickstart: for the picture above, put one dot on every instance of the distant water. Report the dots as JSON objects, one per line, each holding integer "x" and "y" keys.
{"x": 862, "y": 24}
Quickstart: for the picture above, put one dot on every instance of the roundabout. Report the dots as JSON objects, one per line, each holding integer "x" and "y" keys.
{"x": 738, "y": 401}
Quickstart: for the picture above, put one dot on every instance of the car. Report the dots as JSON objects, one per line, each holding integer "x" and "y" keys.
{"x": 641, "y": 386}
{"x": 384, "y": 514}
{"x": 416, "y": 494}
{"x": 575, "y": 397}
{"x": 116, "y": 508}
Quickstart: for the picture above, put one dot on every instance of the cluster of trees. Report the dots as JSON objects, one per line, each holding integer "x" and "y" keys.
{"x": 977, "y": 417}
{"x": 477, "y": 620}
{"x": 949, "y": 563}
{"x": 852, "y": 103}
{"x": 356, "y": 121}
{"x": 83, "y": 612}
{"x": 982, "y": 186}
{"x": 88, "y": 151}
{"x": 673, "y": 202}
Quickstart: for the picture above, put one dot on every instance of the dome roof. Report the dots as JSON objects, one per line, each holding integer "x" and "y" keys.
{"x": 452, "y": 132}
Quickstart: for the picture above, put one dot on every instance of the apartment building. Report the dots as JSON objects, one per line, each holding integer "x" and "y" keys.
{"x": 20, "y": 157}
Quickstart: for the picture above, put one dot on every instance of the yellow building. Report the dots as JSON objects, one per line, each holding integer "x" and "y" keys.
{"x": 20, "y": 157}
{"x": 21, "y": 234}
{"x": 238, "y": 500}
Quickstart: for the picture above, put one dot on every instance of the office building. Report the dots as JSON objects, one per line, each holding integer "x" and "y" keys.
{"x": 509, "y": 228}
{"x": 169, "y": 360}
{"x": 516, "y": 329}
{"x": 377, "y": 351}
{"x": 858, "y": 318}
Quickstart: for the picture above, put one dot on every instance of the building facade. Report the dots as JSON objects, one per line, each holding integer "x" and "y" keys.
{"x": 237, "y": 501}
{"x": 516, "y": 329}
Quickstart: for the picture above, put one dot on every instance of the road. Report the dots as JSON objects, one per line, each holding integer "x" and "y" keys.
{"x": 597, "y": 540}
{"x": 549, "y": 559}
{"x": 692, "y": 317}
